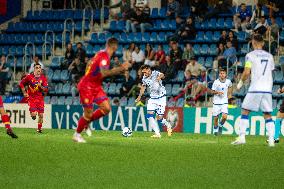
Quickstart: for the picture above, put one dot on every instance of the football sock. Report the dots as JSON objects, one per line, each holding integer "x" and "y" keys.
{"x": 154, "y": 125}
{"x": 269, "y": 123}
{"x": 278, "y": 123}
{"x": 39, "y": 126}
{"x": 163, "y": 122}
{"x": 97, "y": 114}
{"x": 244, "y": 124}
{"x": 6, "y": 121}
{"x": 215, "y": 129}
{"x": 221, "y": 123}
{"x": 82, "y": 124}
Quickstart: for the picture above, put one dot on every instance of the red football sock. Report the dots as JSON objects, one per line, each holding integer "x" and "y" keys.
{"x": 97, "y": 114}
{"x": 39, "y": 126}
{"x": 82, "y": 123}
{"x": 6, "y": 121}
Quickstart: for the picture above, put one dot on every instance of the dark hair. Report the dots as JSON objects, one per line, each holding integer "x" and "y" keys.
{"x": 222, "y": 70}
{"x": 79, "y": 43}
{"x": 112, "y": 41}
{"x": 145, "y": 67}
{"x": 257, "y": 37}
{"x": 37, "y": 64}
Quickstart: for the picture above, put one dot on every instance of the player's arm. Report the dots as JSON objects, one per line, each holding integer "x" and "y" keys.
{"x": 246, "y": 73}
{"x": 22, "y": 84}
{"x": 161, "y": 76}
{"x": 115, "y": 71}
{"x": 43, "y": 86}
{"x": 213, "y": 90}
{"x": 142, "y": 90}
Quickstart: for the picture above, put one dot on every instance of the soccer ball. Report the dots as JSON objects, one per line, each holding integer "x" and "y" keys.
{"x": 126, "y": 132}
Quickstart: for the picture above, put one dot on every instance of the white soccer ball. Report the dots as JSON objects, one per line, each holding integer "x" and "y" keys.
{"x": 126, "y": 132}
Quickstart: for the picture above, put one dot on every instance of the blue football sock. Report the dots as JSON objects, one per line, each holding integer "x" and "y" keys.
{"x": 277, "y": 127}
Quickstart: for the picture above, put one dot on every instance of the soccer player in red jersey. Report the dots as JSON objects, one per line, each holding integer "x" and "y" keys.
{"x": 6, "y": 120}
{"x": 91, "y": 90}
{"x": 37, "y": 85}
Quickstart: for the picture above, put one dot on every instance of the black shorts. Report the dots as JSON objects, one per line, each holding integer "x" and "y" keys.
{"x": 281, "y": 109}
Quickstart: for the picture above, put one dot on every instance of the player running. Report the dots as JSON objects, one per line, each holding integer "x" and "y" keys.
{"x": 37, "y": 85}
{"x": 91, "y": 90}
{"x": 279, "y": 118}
{"x": 260, "y": 65}
{"x": 222, "y": 90}
{"x": 158, "y": 100}
{"x": 6, "y": 120}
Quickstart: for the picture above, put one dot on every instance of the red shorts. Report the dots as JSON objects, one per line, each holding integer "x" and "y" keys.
{"x": 1, "y": 102}
{"x": 89, "y": 96}
{"x": 36, "y": 105}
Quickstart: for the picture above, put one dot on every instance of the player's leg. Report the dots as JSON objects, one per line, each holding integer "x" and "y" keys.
{"x": 6, "y": 121}
{"x": 215, "y": 122}
{"x": 244, "y": 124}
{"x": 160, "y": 115}
{"x": 222, "y": 122}
{"x": 39, "y": 123}
{"x": 278, "y": 122}
{"x": 151, "y": 108}
{"x": 82, "y": 123}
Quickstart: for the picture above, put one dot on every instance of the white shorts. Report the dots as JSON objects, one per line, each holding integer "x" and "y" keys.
{"x": 157, "y": 105}
{"x": 258, "y": 101}
{"x": 219, "y": 109}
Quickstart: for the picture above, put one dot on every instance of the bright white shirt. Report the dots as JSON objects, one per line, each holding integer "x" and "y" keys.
{"x": 221, "y": 87}
{"x": 262, "y": 66}
{"x": 138, "y": 57}
{"x": 157, "y": 89}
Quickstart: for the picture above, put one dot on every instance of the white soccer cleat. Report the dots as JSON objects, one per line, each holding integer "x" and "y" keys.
{"x": 238, "y": 141}
{"x": 89, "y": 132}
{"x": 78, "y": 138}
{"x": 271, "y": 142}
{"x": 156, "y": 136}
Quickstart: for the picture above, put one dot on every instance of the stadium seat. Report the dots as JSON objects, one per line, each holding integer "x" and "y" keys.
{"x": 278, "y": 76}
{"x": 76, "y": 101}
{"x": 66, "y": 89}
{"x": 204, "y": 49}
{"x": 220, "y": 23}
{"x": 162, "y": 12}
{"x": 61, "y": 100}
{"x": 58, "y": 88}
{"x": 55, "y": 63}
{"x": 50, "y": 74}
{"x": 154, "y": 13}
{"x": 199, "y": 36}
{"x": 112, "y": 89}
{"x": 196, "y": 49}
{"x": 209, "y": 62}
{"x": 208, "y": 36}
{"x": 212, "y": 23}
{"x": 56, "y": 75}
{"x": 175, "y": 89}
{"x": 180, "y": 102}
{"x": 89, "y": 50}
{"x": 54, "y": 100}
{"x": 47, "y": 99}
{"x": 161, "y": 37}
{"x": 168, "y": 89}
{"x": 131, "y": 102}
{"x": 146, "y": 37}
{"x": 213, "y": 49}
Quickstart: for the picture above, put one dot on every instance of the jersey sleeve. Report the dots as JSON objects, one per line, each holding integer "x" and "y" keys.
{"x": 214, "y": 86}
{"x": 272, "y": 63}
{"x": 44, "y": 84}
{"x": 103, "y": 62}
{"x": 248, "y": 62}
{"x": 144, "y": 82}
{"x": 24, "y": 81}
{"x": 229, "y": 83}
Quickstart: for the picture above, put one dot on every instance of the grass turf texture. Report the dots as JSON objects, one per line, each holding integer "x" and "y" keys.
{"x": 108, "y": 160}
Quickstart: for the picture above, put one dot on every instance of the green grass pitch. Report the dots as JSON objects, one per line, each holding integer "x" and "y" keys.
{"x": 108, "y": 160}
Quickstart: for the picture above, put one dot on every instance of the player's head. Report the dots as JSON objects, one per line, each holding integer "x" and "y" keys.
{"x": 257, "y": 41}
{"x": 37, "y": 69}
{"x": 222, "y": 74}
{"x": 146, "y": 70}
{"x": 112, "y": 45}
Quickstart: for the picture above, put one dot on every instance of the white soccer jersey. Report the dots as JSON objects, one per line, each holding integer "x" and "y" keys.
{"x": 262, "y": 65}
{"x": 157, "y": 89}
{"x": 221, "y": 87}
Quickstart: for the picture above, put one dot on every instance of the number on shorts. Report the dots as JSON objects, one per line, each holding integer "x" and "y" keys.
{"x": 265, "y": 61}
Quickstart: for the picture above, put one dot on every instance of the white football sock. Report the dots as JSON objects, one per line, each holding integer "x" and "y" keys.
{"x": 154, "y": 125}
{"x": 244, "y": 124}
{"x": 270, "y": 129}
{"x": 165, "y": 122}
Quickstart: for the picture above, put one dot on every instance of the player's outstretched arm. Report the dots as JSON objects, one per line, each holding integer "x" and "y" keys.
{"x": 142, "y": 90}
{"x": 22, "y": 86}
{"x": 244, "y": 77}
{"x": 116, "y": 71}
{"x": 161, "y": 76}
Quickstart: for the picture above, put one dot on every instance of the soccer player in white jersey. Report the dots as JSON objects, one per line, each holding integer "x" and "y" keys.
{"x": 259, "y": 66}
{"x": 222, "y": 90}
{"x": 158, "y": 100}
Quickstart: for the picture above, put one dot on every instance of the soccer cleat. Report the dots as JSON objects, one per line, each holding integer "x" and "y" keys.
{"x": 156, "y": 136}
{"x": 89, "y": 132}
{"x": 78, "y": 138}
{"x": 170, "y": 131}
{"x": 275, "y": 140}
{"x": 220, "y": 130}
{"x": 39, "y": 131}
{"x": 271, "y": 142}
{"x": 238, "y": 141}
{"x": 11, "y": 133}
{"x": 215, "y": 131}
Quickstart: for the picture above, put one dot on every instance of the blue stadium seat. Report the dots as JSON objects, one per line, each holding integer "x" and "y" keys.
{"x": 137, "y": 37}
{"x": 96, "y": 48}
{"x": 131, "y": 102}
{"x": 281, "y": 35}
{"x": 78, "y": 15}
{"x": 39, "y": 50}
{"x": 47, "y": 99}
{"x": 201, "y": 60}
{"x": 112, "y": 88}
{"x": 89, "y": 50}
{"x": 55, "y": 63}
{"x": 228, "y": 23}
{"x": 123, "y": 101}
{"x": 162, "y": 37}
{"x": 56, "y": 75}
{"x": 175, "y": 89}
{"x": 168, "y": 89}
{"x": 64, "y": 75}
{"x": 133, "y": 74}
{"x": 69, "y": 100}
{"x": 199, "y": 36}
{"x": 180, "y": 102}
{"x": 123, "y": 38}
{"x": 49, "y": 74}
{"x": 58, "y": 88}
{"x": 146, "y": 37}
{"x": 208, "y": 36}
{"x": 209, "y": 62}
{"x": 244, "y": 49}
{"x": 180, "y": 76}
{"x": 278, "y": 76}
{"x": 241, "y": 35}
{"x": 61, "y": 100}
{"x": 204, "y": 49}
{"x": 12, "y": 50}
{"x": 163, "y": 12}
{"x": 120, "y": 26}
{"x": 155, "y": 13}
{"x": 117, "y": 89}
{"x": 220, "y": 23}
{"x": 20, "y": 51}
{"x": 119, "y": 51}
{"x": 212, "y": 23}
{"x": 76, "y": 101}
{"x": 153, "y": 37}
{"x": 66, "y": 89}
{"x": 196, "y": 49}
{"x": 213, "y": 49}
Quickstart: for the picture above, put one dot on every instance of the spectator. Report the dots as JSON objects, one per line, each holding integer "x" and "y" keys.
{"x": 203, "y": 77}
{"x": 229, "y": 54}
{"x": 168, "y": 69}
{"x": 273, "y": 28}
{"x": 146, "y": 9}
{"x": 138, "y": 58}
{"x": 188, "y": 52}
{"x": 220, "y": 52}
{"x": 160, "y": 56}
{"x": 233, "y": 39}
{"x": 127, "y": 85}
{"x": 69, "y": 57}
{"x": 141, "y": 4}
{"x": 4, "y": 69}
{"x": 223, "y": 6}
{"x": 138, "y": 19}
{"x": 193, "y": 67}
{"x": 115, "y": 62}
{"x": 127, "y": 53}
{"x": 80, "y": 52}
{"x": 173, "y": 8}
{"x": 232, "y": 103}
{"x": 273, "y": 6}
{"x": 115, "y": 102}
{"x": 176, "y": 55}
{"x": 149, "y": 56}
{"x": 76, "y": 69}
{"x": 198, "y": 8}
{"x": 125, "y": 9}
{"x": 223, "y": 38}
{"x": 36, "y": 61}
{"x": 242, "y": 18}
{"x": 261, "y": 27}
{"x": 256, "y": 15}
{"x": 187, "y": 31}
